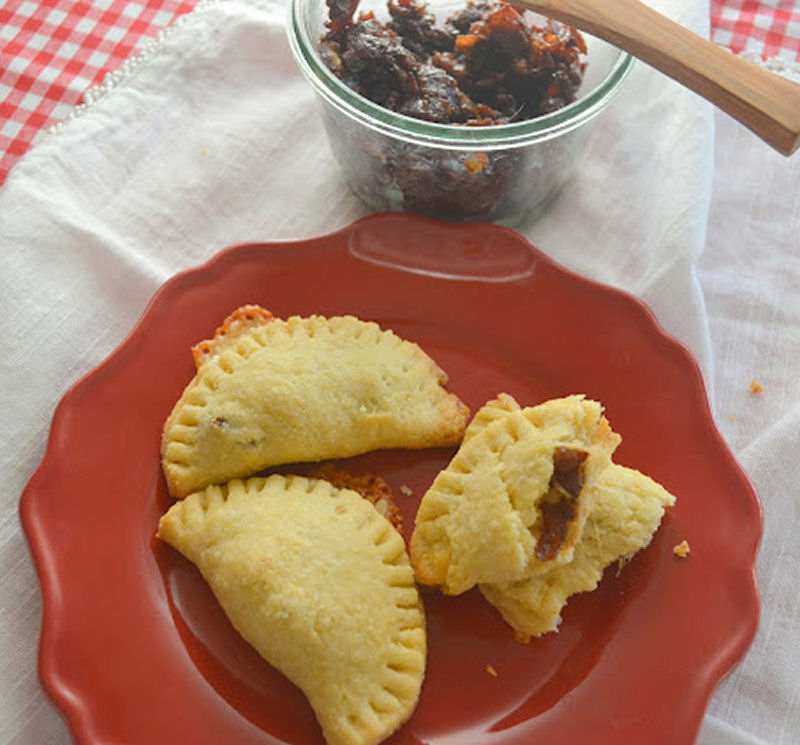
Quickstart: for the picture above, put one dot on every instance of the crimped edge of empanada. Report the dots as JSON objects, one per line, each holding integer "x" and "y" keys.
{"x": 226, "y": 353}
{"x": 397, "y": 685}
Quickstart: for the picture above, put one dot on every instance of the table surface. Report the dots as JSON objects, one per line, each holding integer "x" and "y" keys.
{"x": 53, "y": 51}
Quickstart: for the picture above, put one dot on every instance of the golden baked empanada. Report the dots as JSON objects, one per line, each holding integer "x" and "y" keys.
{"x": 626, "y": 510}
{"x": 513, "y": 500}
{"x": 269, "y": 391}
{"x": 321, "y": 586}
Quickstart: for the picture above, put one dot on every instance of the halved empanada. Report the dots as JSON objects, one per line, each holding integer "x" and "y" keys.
{"x": 514, "y": 499}
{"x": 321, "y": 586}
{"x": 627, "y": 509}
{"x": 270, "y": 391}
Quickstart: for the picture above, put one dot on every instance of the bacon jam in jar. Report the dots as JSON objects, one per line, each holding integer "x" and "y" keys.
{"x": 467, "y": 112}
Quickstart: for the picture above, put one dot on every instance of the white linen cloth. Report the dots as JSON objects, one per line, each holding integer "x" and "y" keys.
{"x": 211, "y": 137}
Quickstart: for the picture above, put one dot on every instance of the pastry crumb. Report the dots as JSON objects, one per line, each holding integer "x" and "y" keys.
{"x": 622, "y": 562}
{"x": 731, "y": 417}
{"x": 490, "y": 669}
{"x": 756, "y": 387}
{"x": 681, "y": 550}
{"x": 405, "y": 490}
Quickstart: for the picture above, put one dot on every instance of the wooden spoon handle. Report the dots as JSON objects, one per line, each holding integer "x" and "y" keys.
{"x": 762, "y": 101}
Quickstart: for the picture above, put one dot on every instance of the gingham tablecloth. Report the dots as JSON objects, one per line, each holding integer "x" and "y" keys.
{"x": 768, "y": 29}
{"x": 53, "y": 51}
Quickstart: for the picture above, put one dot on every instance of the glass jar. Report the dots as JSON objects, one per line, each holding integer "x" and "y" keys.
{"x": 498, "y": 173}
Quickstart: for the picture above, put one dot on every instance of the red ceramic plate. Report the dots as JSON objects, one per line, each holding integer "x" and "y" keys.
{"x": 134, "y": 649}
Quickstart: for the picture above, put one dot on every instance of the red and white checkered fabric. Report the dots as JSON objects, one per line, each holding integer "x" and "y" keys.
{"x": 768, "y": 28}
{"x": 52, "y": 51}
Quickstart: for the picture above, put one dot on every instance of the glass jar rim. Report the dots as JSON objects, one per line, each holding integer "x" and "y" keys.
{"x": 433, "y": 134}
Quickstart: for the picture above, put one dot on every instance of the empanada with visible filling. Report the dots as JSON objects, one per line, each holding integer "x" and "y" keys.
{"x": 626, "y": 511}
{"x": 513, "y": 500}
{"x": 320, "y": 584}
{"x": 270, "y": 391}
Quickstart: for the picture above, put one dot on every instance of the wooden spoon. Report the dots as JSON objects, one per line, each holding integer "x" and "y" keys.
{"x": 762, "y": 101}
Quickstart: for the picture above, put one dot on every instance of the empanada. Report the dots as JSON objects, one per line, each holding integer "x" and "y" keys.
{"x": 269, "y": 392}
{"x": 627, "y": 509}
{"x": 513, "y": 500}
{"x": 321, "y": 586}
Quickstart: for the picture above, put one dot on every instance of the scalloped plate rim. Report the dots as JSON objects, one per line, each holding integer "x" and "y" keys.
{"x": 55, "y": 682}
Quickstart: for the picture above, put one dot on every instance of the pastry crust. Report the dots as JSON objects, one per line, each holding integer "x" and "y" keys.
{"x": 239, "y": 322}
{"x": 488, "y": 516}
{"x": 627, "y": 509}
{"x": 321, "y": 586}
{"x": 271, "y": 391}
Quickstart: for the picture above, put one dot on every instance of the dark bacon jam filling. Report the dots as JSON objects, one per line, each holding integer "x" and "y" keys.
{"x": 486, "y": 64}
{"x": 558, "y": 506}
